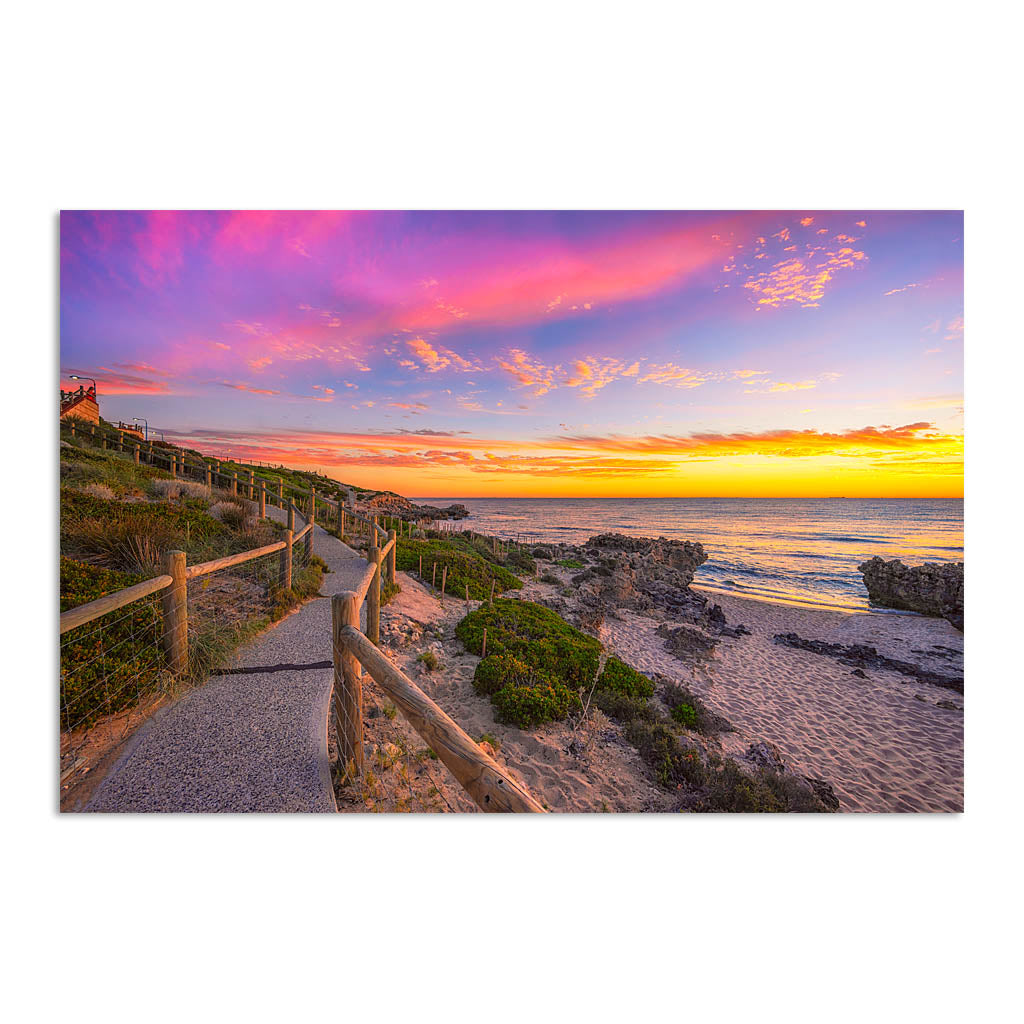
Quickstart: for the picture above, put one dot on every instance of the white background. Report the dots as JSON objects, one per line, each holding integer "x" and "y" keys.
{"x": 551, "y": 105}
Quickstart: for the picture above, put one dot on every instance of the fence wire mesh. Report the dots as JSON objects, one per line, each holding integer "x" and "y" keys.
{"x": 111, "y": 671}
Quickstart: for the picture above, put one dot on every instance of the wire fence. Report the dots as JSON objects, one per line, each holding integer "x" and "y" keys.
{"x": 110, "y": 669}
{"x": 228, "y": 605}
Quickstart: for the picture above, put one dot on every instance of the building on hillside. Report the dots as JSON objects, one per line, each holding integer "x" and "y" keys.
{"x": 80, "y": 404}
{"x": 133, "y": 429}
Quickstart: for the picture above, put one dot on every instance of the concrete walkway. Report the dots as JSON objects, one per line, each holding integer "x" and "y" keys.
{"x": 253, "y": 738}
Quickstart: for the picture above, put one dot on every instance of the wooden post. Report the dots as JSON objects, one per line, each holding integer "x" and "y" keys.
{"x": 263, "y": 500}
{"x": 72, "y": 428}
{"x": 433, "y": 577}
{"x": 444, "y": 581}
{"x": 209, "y": 476}
{"x": 492, "y": 593}
{"x": 421, "y": 567}
{"x": 393, "y": 537}
{"x": 136, "y": 455}
{"x": 175, "y": 609}
{"x": 280, "y": 492}
{"x": 309, "y": 543}
{"x": 285, "y": 575}
{"x": 467, "y": 597}
{"x": 291, "y": 516}
{"x": 92, "y": 430}
{"x": 312, "y": 504}
{"x": 104, "y": 444}
{"x": 348, "y": 684}
{"x": 483, "y": 645}
{"x": 341, "y": 520}
{"x": 373, "y": 595}
{"x": 234, "y": 483}
{"x": 174, "y": 466}
{"x": 252, "y": 489}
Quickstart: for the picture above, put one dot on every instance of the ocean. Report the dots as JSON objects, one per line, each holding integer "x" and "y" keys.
{"x": 794, "y": 549}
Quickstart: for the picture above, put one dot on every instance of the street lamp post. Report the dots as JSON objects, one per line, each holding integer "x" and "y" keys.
{"x": 75, "y": 376}
{"x": 135, "y": 419}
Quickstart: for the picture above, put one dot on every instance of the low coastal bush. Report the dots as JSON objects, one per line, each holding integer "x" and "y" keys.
{"x": 690, "y": 711}
{"x": 519, "y": 560}
{"x": 529, "y": 706}
{"x": 659, "y": 746}
{"x": 464, "y": 568}
{"x": 625, "y": 680}
{"x": 685, "y": 715}
{"x": 550, "y": 578}
{"x": 107, "y": 664}
{"x": 569, "y": 563}
{"x": 624, "y": 709}
{"x": 388, "y": 592}
{"x": 536, "y": 662}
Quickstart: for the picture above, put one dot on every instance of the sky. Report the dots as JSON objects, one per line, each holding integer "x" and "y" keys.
{"x": 463, "y": 354}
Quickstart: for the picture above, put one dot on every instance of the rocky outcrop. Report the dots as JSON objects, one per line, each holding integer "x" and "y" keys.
{"x": 931, "y": 589}
{"x": 395, "y": 505}
{"x": 642, "y": 574}
{"x": 861, "y": 656}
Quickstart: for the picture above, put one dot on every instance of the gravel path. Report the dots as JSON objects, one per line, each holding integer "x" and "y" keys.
{"x": 253, "y": 738}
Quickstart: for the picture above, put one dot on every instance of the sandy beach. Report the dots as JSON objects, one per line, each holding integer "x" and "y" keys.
{"x": 881, "y": 740}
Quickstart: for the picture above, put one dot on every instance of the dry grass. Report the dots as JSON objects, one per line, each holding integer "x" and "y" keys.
{"x": 98, "y": 490}
{"x": 169, "y": 490}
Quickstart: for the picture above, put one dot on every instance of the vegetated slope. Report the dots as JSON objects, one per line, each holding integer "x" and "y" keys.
{"x": 539, "y": 669}
{"x": 465, "y": 567}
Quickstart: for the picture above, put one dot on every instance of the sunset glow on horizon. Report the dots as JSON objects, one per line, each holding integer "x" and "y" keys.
{"x": 775, "y": 354}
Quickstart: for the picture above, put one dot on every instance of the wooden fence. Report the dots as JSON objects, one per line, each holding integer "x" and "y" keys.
{"x": 489, "y": 785}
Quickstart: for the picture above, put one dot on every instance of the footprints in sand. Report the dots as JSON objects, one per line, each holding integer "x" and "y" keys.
{"x": 881, "y": 749}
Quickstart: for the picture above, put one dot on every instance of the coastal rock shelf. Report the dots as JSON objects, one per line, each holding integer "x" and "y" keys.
{"x": 644, "y": 574}
{"x": 930, "y": 589}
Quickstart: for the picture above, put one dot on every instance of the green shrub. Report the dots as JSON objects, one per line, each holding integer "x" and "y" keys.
{"x": 388, "y": 592}
{"x": 535, "y": 635}
{"x": 690, "y": 711}
{"x": 623, "y": 679}
{"x": 686, "y": 715}
{"x": 536, "y": 662}
{"x": 569, "y": 563}
{"x": 624, "y": 709}
{"x": 465, "y": 567}
{"x": 659, "y": 747}
{"x": 529, "y": 706}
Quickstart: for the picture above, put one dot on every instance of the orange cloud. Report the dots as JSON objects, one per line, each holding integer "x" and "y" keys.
{"x": 801, "y": 280}
{"x": 434, "y": 359}
{"x": 676, "y": 376}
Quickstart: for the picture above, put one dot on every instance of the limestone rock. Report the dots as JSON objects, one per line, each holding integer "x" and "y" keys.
{"x": 931, "y": 589}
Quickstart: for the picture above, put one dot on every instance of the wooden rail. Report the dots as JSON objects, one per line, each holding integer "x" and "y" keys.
{"x": 490, "y": 785}
{"x": 204, "y": 568}
{"x": 481, "y": 776}
{"x": 85, "y": 613}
